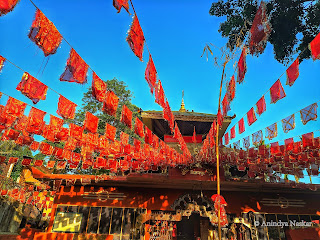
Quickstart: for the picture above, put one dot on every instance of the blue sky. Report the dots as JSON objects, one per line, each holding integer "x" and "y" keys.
{"x": 176, "y": 33}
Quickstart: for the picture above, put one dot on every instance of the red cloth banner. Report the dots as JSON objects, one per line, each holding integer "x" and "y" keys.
{"x": 314, "y": 47}
{"x": 151, "y": 74}
{"x": 219, "y": 118}
{"x": 225, "y": 105}
{"x": 309, "y": 113}
{"x": 22, "y": 123}
{"x": 62, "y": 135}
{"x": 148, "y": 136}
{"x": 241, "y": 126}
{"x": 226, "y": 139}
{"x": 242, "y": 66}
{"x": 259, "y": 31}
{"x": 91, "y": 122}
{"x": 44, "y": 34}
{"x": 124, "y": 138}
{"x": 138, "y": 128}
{"x": 110, "y": 132}
{"x": 7, "y": 6}
{"x": 261, "y": 105}
{"x": 288, "y": 144}
{"x": 32, "y": 88}
{"x": 110, "y": 104}
{"x": 168, "y": 115}
{"x": 75, "y": 131}
{"x": 34, "y": 146}
{"x": 233, "y": 132}
{"x": 55, "y": 123}
{"x": 135, "y": 38}
{"x": 46, "y": 148}
{"x": 12, "y": 160}
{"x": 66, "y": 108}
{"x": 275, "y": 149}
{"x": 288, "y": 123}
{"x": 2, "y": 60}
{"x": 293, "y": 72}
{"x": 231, "y": 89}
{"x": 26, "y": 162}
{"x": 159, "y": 94}
{"x": 251, "y": 117}
{"x": 126, "y": 116}
{"x": 38, "y": 163}
{"x": 307, "y": 140}
{"x": 118, "y": 4}
{"x": 36, "y": 123}
{"x": 99, "y": 88}
{"x": 277, "y": 92}
{"x": 76, "y": 69}
{"x": 15, "y": 107}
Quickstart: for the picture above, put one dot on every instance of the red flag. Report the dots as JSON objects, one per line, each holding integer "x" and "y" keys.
{"x": 135, "y": 38}
{"x": 314, "y": 47}
{"x": 7, "y": 6}
{"x": 138, "y": 128}
{"x": 118, "y": 4}
{"x": 32, "y": 88}
{"x": 293, "y": 72}
{"x": 225, "y": 105}
{"x": 36, "y": 122}
{"x": 231, "y": 89}
{"x": 110, "y": 104}
{"x": 126, "y": 116}
{"x": 159, "y": 94}
{"x": 15, "y": 107}
{"x": 91, "y": 122}
{"x": 76, "y": 69}
{"x": 110, "y": 132}
{"x": 242, "y": 66}
{"x": 66, "y": 108}
{"x": 194, "y": 137}
{"x": 226, "y": 139}
{"x": 151, "y": 74}
{"x": 219, "y": 118}
{"x": 45, "y": 34}
{"x": 261, "y": 105}
{"x": 99, "y": 88}
{"x": 277, "y": 92}
{"x": 76, "y": 131}
{"x": 2, "y": 60}
{"x": 124, "y": 138}
{"x": 55, "y": 123}
{"x": 148, "y": 135}
{"x": 260, "y": 30}
{"x": 233, "y": 132}
{"x": 251, "y": 117}
{"x": 46, "y": 148}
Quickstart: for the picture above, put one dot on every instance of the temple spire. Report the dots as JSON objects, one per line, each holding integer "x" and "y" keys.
{"x": 182, "y": 108}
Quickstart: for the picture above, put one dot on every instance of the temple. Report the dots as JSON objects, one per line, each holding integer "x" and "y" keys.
{"x": 171, "y": 203}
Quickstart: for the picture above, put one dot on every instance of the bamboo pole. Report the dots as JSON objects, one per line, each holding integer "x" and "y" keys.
{"x": 217, "y": 152}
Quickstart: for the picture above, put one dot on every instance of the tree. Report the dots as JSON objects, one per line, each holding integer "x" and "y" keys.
{"x": 294, "y": 24}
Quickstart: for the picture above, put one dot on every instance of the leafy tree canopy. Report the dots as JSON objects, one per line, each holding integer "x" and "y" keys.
{"x": 294, "y": 24}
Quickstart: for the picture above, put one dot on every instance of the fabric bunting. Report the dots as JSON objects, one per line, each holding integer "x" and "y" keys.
{"x": 251, "y": 116}
{"x": 242, "y": 66}
{"x": 66, "y": 108}
{"x": 91, "y": 122}
{"x": 246, "y": 142}
{"x": 2, "y": 60}
{"x": 32, "y": 88}
{"x": 159, "y": 94}
{"x": 46, "y": 148}
{"x": 34, "y": 146}
{"x": 36, "y": 122}
{"x": 293, "y": 72}
{"x": 309, "y": 113}
{"x": 277, "y": 92}
{"x": 236, "y": 144}
{"x": 226, "y": 139}
{"x": 7, "y": 6}
{"x": 110, "y": 132}
{"x": 138, "y": 128}
{"x": 241, "y": 126}
{"x": 260, "y": 30}
{"x": 307, "y": 140}
{"x": 168, "y": 115}
{"x": 257, "y": 137}
{"x": 261, "y": 106}
{"x": 233, "y": 132}
{"x": 118, "y": 4}
{"x": 126, "y": 116}
{"x": 44, "y": 34}
{"x": 288, "y": 123}
{"x": 151, "y": 74}
{"x": 99, "y": 88}
{"x": 272, "y": 131}
{"x": 76, "y": 69}
{"x": 225, "y": 105}
{"x": 231, "y": 89}
{"x": 314, "y": 47}
{"x": 219, "y": 118}
{"x": 148, "y": 136}
{"x": 55, "y": 123}
{"x": 124, "y": 138}
{"x": 288, "y": 144}
{"x": 135, "y": 38}
{"x": 76, "y": 131}
{"x": 14, "y": 107}
{"x": 26, "y": 162}
{"x": 110, "y": 105}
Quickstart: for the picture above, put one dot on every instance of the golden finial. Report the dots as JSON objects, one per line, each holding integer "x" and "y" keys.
{"x": 182, "y": 108}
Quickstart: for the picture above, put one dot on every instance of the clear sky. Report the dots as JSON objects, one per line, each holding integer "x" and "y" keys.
{"x": 176, "y": 33}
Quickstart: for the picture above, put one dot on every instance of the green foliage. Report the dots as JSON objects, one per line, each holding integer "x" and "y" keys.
{"x": 294, "y": 24}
